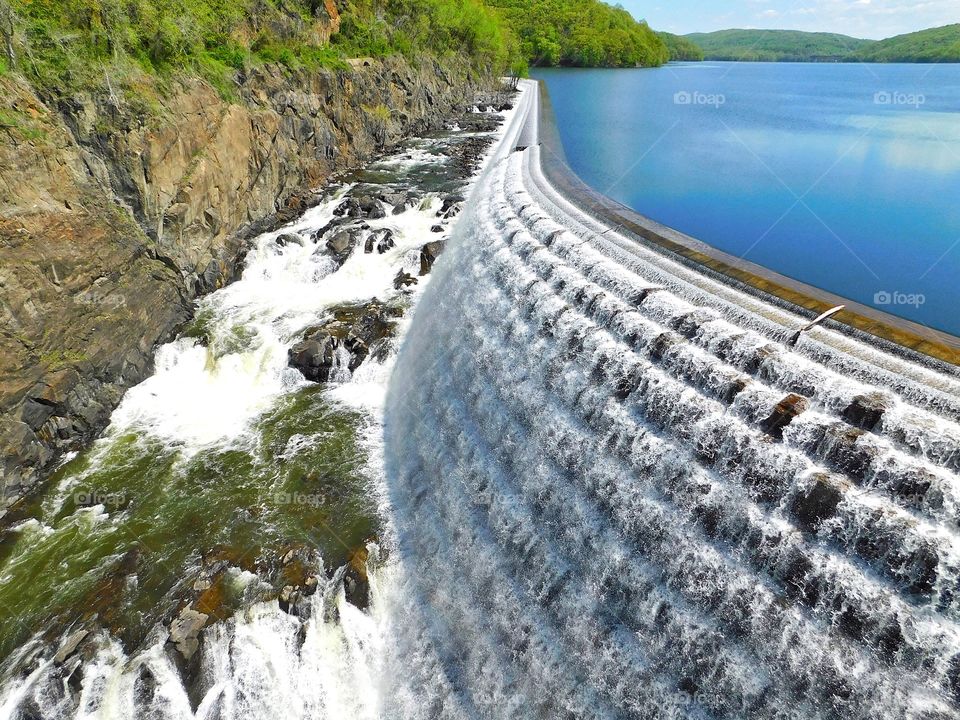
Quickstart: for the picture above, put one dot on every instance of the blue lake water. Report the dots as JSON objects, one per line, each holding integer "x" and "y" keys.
{"x": 846, "y": 177}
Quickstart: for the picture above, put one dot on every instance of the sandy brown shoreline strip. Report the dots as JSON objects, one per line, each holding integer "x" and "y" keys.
{"x": 805, "y": 299}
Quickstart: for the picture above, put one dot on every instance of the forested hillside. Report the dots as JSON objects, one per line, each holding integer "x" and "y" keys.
{"x": 64, "y": 44}
{"x": 775, "y": 45}
{"x": 935, "y": 45}
{"x": 681, "y": 48}
{"x": 580, "y": 33}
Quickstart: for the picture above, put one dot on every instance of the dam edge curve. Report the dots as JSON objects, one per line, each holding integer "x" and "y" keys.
{"x": 856, "y": 318}
{"x": 644, "y": 503}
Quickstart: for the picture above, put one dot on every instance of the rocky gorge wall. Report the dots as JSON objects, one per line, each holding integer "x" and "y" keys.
{"x": 112, "y": 222}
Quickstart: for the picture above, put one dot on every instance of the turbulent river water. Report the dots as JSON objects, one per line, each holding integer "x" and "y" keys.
{"x": 224, "y": 478}
{"x": 607, "y": 486}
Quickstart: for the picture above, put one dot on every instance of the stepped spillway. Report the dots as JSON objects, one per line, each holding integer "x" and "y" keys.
{"x": 617, "y": 492}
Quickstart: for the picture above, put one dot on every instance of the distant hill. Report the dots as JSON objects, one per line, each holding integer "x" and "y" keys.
{"x": 777, "y": 45}
{"x": 934, "y": 45}
{"x": 680, "y": 48}
{"x": 940, "y": 44}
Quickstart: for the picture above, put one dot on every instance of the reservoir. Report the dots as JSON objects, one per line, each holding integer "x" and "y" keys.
{"x": 843, "y": 176}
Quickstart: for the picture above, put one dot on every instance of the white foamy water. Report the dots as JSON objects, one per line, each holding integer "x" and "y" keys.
{"x": 590, "y": 514}
{"x": 596, "y": 517}
{"x": 207, "y": 396}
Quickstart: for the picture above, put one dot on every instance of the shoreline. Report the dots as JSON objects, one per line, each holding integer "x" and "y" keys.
{"x": 933, "y": 348}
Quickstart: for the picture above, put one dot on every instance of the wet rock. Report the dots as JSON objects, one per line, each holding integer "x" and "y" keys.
{"x": 866, "y": 411}
{"x": 70, "y": 645}
{"x": 365, "y": 206}
{"x": 348, "y": 208}
{"x": 817, "y": 502}
{"x": 849, "y": 450}
{"x": 338, "y": 223}
{"x": 429, "y": 254}
{"x": 403, "y": 279}
{"x": 288, "y": 238}
{"x": 380, "y": 240}
{"x": 289, "y": 598}
{"x": 371, "y": 208}
{"x": 356, "y": 585}
{"x": 450, "y": 207}
{"x": 783, "y": 414}
{"x": 316, "y": 358}
{"x": 343, "y": 343}
{"x": 342, "y": 243}
{"x": 185, "y": 631}
{"x": 400, "y": 200}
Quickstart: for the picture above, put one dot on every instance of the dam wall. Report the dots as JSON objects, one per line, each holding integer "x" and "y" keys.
{"x": 617, "y": 492}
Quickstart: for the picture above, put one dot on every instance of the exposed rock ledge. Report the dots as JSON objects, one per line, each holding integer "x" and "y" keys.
{"x": 111, "y": 226}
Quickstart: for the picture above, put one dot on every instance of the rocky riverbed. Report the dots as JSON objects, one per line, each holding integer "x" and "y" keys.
{"x": 236, "y": 488}
{"x": 114, "y": 219}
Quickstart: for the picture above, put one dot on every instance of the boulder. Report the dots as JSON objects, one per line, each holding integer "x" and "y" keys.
{"x": 371, "y": 208}
{"x": 290, "y": 596}
{"x": 338, "y": 223}
{"x": 866, "y": 411}
{"x": 285, "y": 239}
{"x": 398, "y": 199}
{"x": 380, "y": 240}
{"x": 365, "y": 206}
{"x": 783, "y": 414}
{"x": 70, "y": 646}
{"x": 450, "y": 207}
{"x": 185, "y": 631}
{"x": 429, "y": 254}
{"x": 403, "y": 279}
{"x": 356, "y": 586}
{"x": 348, "y": 208}
{"x": 342, "y": 242}
{"x": 344, "y": 342}
{"x": 816, "y": 502}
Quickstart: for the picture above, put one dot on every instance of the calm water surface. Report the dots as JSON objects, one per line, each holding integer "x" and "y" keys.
{"x": 846, "y": 177}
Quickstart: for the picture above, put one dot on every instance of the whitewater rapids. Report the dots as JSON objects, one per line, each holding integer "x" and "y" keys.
{"x": 601, "y": 514}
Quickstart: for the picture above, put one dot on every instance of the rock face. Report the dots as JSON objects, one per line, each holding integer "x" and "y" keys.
{"x": 332, "y": 351}
{"x": 112, "y": 223}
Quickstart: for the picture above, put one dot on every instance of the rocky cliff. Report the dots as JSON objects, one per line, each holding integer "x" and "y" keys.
{"x": 113, "y": 220}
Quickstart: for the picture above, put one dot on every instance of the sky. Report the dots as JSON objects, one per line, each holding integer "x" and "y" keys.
{"x": 874, "y": 19}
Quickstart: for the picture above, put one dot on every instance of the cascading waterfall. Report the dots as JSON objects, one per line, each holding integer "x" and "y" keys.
{"x": 616, "y": 493}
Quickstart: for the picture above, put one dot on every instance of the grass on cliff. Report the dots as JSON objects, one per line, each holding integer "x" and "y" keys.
{"x": 122, "y": 45}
